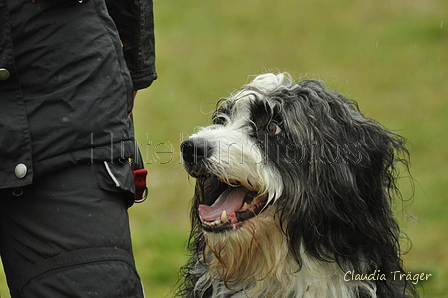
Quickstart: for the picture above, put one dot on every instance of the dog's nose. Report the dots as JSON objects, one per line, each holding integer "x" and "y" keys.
{"x": 195, "y": 150}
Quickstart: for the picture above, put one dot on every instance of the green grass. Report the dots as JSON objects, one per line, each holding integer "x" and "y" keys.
{"x": 391, "y": 56}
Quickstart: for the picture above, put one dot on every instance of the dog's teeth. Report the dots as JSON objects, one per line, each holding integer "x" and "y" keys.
{"x": 224, "y": 216}
{"x": 215, "y": 222}
{"x": 245, "y": 206}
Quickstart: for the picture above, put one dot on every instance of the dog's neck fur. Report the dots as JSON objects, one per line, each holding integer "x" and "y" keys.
{"x": 305, "y": 283}
{"x": 262, "y": 270}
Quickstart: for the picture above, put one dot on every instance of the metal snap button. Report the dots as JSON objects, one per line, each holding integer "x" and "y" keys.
{"x": 20, "y": 170}
{"x": 4, "y": 74}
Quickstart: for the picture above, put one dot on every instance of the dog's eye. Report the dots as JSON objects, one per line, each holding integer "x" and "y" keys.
{"x": 220, "y": 120}
{"x": 273, "y": 128}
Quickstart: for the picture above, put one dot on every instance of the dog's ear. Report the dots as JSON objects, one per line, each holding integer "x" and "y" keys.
{"x": 345, "y": 165}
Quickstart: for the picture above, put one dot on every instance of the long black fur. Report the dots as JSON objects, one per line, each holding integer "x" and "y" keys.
{"x": 345, "y": 166}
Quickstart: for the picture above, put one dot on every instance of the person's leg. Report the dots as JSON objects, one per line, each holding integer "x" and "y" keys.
{"x": 67, "y": 236}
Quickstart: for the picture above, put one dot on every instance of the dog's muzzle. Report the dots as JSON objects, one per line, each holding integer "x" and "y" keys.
{"x": 234, "y": 204}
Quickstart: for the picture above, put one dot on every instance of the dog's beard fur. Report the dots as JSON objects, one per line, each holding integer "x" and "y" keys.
{"x": 246, "y": 255}
{"x": 254, "y": 261}
{"x": 326, "y": 176}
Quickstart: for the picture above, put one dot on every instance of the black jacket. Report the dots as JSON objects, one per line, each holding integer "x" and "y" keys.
{"x": 66, "y": 88}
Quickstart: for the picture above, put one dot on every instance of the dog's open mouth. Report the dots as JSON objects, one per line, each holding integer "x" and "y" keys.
{"x": 234, "y": 206}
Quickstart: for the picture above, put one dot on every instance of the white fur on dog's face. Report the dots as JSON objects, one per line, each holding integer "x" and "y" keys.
{"x": 234, "y": 150}
{"x": 236, "y": 157}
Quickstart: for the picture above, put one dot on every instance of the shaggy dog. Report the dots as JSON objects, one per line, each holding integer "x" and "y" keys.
{"x": 292, "y": 199}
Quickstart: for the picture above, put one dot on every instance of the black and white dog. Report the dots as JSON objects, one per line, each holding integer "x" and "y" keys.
{"x": 293, "y": 193}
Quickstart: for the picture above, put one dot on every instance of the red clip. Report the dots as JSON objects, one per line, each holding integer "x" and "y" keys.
{"x": 141, "y": 190}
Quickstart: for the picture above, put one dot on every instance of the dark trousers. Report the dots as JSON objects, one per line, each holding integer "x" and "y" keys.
{"x": 67, "y": 235}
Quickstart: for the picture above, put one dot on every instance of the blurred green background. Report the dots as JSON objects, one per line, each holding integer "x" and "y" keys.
{"x": 389, "y": 55}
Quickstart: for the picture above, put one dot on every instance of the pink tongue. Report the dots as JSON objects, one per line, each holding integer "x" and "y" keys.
{"x": 230, "y": 200}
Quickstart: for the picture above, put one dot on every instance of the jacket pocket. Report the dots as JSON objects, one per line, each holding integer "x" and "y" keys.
{"x": 116, "y": 176}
